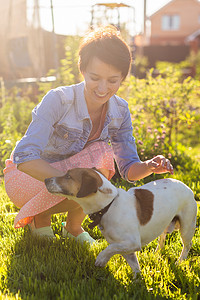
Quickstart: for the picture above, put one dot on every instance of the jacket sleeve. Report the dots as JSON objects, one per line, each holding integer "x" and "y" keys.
{"x": 124, "y": 145}
{"x": 44, "y": 116}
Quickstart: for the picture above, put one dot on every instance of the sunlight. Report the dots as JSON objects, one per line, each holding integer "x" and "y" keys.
{"x": 74, "y": 17}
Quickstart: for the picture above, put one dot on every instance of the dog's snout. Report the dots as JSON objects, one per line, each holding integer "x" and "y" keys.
{"x": 48, "y": 180}
{"x": 52, "y": 185}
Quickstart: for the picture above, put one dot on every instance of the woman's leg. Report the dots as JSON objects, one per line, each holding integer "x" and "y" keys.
{"x": 74, "y": 219}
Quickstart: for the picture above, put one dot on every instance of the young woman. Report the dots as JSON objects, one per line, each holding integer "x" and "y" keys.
{"x": 72, "y": 127}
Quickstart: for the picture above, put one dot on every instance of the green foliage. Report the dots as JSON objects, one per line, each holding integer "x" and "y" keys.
{"x": 164, "y": 100}
{"x": 140, "y": 66}
{"x": 38, "y": 268}
{"x": 15, "y": 115}
{"x": 165, "y": 116}
{"x": 165, "y": 67}
{"x": 193, "y": 61}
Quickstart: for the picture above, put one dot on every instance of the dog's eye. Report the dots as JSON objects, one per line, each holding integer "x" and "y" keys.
{"x": 67, "y": 176}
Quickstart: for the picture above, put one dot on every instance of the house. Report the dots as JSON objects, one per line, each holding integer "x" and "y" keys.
{"x": 175, "y": 22}
{"x": 175, "y": 31}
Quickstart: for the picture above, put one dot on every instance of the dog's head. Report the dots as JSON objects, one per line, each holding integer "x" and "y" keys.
{"x": 78, "y": 182}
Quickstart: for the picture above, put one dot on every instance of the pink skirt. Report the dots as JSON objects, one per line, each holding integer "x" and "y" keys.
{"x": 31, "y": 195}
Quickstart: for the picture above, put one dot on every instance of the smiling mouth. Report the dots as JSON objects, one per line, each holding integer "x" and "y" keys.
{"x": 100, "y": 95}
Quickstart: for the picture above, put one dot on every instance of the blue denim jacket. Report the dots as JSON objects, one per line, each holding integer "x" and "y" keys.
{"x": 61, "y": 126}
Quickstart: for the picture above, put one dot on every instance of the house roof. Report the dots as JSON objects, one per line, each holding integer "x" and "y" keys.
{"x": 161, "y": 8}
{"x": 167, "y": 4}
{"x": 193, "y": 36}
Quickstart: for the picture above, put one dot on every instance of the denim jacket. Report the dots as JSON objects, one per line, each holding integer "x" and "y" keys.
{"x": 61, "y": 126}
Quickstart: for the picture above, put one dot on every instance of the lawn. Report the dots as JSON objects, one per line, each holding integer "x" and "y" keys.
{"x": 38, "y": 268}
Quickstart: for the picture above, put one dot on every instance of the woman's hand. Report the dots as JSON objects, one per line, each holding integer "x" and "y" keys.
{"x": 159, "y": 164}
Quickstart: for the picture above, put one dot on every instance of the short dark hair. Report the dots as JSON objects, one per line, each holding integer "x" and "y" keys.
{"x": 106, "y": 44}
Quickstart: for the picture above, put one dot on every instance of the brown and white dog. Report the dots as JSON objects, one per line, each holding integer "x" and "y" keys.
{"x": 130, "y": 219}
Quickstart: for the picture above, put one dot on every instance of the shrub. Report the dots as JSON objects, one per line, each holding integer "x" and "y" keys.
{"x": 15, "y": 115}
{"x": 165, "y": 116}
{"x": 164, "y": 100}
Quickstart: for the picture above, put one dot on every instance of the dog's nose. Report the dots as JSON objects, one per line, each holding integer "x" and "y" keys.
{"x": 48, "y": 180}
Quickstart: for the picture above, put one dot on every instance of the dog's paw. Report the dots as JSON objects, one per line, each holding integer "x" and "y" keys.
{"x": 101, "y": 260}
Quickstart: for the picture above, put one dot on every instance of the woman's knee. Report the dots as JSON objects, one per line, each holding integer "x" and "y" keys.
{"x": 105, "y": 172}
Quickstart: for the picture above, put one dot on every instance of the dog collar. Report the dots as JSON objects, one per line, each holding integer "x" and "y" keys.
{"x": 96, "y": 217}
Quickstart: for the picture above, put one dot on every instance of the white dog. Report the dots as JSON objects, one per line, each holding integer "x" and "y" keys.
{"x": 130, "y": 220}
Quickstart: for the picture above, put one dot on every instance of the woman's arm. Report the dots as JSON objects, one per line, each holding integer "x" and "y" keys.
{"x": 39, "y": 169}
{"x": 159, "y": 164}
{"x": 44, "y": 116}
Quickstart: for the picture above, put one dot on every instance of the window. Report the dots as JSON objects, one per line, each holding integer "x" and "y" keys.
{"x": 170, "y": 22}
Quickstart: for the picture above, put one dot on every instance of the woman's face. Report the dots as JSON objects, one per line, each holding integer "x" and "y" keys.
{"x": 102, "y": 81}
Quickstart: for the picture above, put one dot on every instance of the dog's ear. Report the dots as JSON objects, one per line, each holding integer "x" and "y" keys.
{"x": 90, "y": 184}
{"x": 98, "y": 171}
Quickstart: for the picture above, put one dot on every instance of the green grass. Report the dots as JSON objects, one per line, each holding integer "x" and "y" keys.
{"x": 36, "y": 268}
